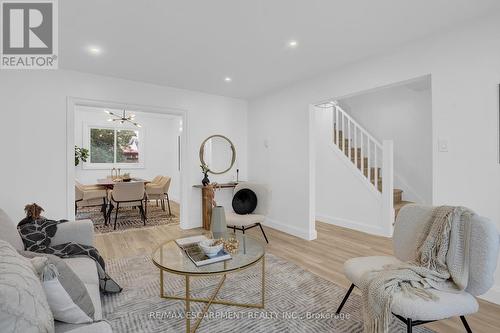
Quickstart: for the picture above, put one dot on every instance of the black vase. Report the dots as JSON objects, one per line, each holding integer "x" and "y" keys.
{"x": 205, "y": 181}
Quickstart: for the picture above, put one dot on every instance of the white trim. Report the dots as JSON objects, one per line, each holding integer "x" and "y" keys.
{"x": 184, "y": 186}
{"x": 294, "y": 231}
{"x": 359, "y": 226}
{"x": 312, "y": 233}
{"x": 492, "y": 295}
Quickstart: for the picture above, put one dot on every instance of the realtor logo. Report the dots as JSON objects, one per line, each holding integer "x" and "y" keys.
{"x": 29, "y": 34}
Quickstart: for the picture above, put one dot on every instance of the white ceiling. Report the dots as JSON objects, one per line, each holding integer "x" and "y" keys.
{"x": 195, "y": 44}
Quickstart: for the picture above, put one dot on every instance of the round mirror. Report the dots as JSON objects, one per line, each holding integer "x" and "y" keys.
{"x": 218, "y": 153}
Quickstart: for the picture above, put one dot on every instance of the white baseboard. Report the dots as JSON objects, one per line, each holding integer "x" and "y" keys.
{"x": 359, "y": 226}
{"x": 493, "y": 295}
{"x": 298, "y": 232}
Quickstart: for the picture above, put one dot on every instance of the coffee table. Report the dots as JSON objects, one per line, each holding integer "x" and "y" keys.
{"x": 169, "y": 257}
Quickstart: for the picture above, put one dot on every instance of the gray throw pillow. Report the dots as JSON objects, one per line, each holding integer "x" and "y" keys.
{"x": 23, "y": 305}
{"x": 73, "y": 286}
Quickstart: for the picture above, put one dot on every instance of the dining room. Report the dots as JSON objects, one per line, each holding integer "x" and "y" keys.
{"x": 127, "y": 167}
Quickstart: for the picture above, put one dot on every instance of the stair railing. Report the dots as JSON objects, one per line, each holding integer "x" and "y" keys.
{"x": 359, "y": 144}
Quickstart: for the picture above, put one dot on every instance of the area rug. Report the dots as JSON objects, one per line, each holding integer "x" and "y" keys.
{"x": 296, "y": 301}
{"x": 128, "y": 218}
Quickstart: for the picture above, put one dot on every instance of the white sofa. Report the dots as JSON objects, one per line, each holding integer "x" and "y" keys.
{"x": 81, "y": 232}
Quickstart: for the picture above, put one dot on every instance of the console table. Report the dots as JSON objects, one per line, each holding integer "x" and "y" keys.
{"x": 206, "y": 205}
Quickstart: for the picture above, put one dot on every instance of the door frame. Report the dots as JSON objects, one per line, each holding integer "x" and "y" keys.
{"x": 73, "y": 102}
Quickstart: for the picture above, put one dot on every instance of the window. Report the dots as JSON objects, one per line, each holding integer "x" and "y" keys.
{"x": 114, "y": 147}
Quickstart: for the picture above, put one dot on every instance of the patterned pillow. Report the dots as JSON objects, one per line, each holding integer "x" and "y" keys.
{"x": 24, "y": 307}
{"x": 37, "y": 234}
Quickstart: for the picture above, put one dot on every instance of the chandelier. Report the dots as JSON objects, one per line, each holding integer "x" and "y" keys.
{"x": 123, "y": 118}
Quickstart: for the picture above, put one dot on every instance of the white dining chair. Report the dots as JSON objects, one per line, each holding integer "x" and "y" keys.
{"x": 90, "y": 196}
{"x": 159, "y": 191}
{"x": 127, "y": 195}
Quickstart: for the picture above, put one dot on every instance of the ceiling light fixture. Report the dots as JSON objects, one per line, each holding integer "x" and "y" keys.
{"x": 94, "y": 50}
{"x": 123, "y": 118}
{"x": 228, "y": 79}
{"x": 293, "y": 44}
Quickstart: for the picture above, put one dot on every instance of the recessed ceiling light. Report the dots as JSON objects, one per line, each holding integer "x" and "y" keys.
{"x": 94, "y": 50}
{"x": 293, "y": 44}
{"x": 228, "y": 79}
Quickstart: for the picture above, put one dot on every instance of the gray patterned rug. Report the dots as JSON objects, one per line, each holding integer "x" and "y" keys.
{"x": 128, "y": 218}
{"x": 296, "y": 301}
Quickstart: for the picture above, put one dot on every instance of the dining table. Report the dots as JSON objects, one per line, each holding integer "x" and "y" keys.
{"x": 110, "y": 183}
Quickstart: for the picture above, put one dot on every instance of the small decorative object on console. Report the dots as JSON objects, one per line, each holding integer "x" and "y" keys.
{"x": 204, "y": 168}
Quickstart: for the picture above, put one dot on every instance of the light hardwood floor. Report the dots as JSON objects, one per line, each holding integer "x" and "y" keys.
{"x": 323, "y": 256}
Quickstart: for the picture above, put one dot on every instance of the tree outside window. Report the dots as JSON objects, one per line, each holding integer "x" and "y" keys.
{"x": 114, "y": 146}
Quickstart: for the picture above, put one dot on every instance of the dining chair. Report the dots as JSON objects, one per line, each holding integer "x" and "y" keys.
{"x": 90, "y": 196}
{"x": 244, "y": 222}
{"x": 483, "y": 253}
{"x": 154, "y": 183}
{"x": 159, "y": 191}
{"x": 127, "y": 195}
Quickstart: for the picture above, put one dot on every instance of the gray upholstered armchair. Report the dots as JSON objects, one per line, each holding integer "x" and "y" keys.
{"x": 248, "y": 221}
{"x": 484, "y": 245}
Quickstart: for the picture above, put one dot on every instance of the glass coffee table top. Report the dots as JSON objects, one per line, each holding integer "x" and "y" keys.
{"x": 170, "y": 257}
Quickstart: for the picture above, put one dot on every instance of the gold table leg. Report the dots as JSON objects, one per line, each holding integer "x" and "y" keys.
{"x": 188, "y": 307}
{"x": 209, "y": 301}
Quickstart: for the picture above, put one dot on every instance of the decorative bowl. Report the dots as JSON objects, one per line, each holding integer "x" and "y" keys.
{"x": 209, "y": 248}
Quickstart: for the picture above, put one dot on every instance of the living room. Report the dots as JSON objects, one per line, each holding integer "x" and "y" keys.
{"x": 230, "y": 70}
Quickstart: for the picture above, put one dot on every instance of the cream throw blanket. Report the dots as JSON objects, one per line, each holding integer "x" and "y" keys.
{"x": 441, "y": 262}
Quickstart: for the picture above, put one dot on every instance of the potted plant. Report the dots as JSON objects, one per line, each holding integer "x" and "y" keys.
{"x": 81, "y": 154}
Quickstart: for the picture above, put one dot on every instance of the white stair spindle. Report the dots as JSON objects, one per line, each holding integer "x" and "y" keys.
{"x": 343, "y": 132}
{"x": 376, "y": 169}
{"x": 356, "y": 146}
{"x": 337, "y": 124}
{"x": 349, "y": 138}
{"x": 369, "y": 160}
{"x": 362, "y": 154}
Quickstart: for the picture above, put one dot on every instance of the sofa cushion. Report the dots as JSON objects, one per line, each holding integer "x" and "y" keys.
{"x": 9, "y": 233}
{"x": 67, "y": 295}
{"x": 86, "y": 270}
{"x": 24, "y": 307}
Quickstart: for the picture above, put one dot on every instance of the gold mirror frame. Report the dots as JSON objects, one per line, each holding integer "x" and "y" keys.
{"x": 202, "y": 150}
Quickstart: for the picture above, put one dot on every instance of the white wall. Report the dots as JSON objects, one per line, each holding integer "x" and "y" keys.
{"x": 158, "y": 145}
{"x": 33, "y": 109}
{"x": 465, "y": 69}
{"x": 404, "y": 115}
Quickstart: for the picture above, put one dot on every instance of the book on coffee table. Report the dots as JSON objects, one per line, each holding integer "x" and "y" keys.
{"x": 196, "y": 254}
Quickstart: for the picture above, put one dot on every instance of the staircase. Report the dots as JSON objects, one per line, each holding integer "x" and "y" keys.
{"x": 364, "y": 151}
